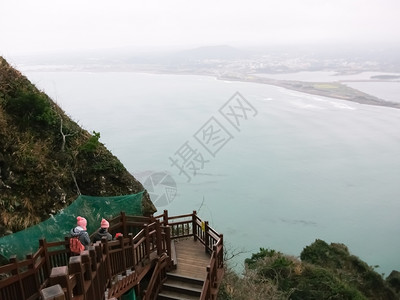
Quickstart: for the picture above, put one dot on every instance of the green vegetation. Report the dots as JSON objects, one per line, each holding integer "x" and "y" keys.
{"x": 31, "y": 108}
{"x": 322, "y": 272}
{"x": 323, "y": 86}
{"x": 92, "y": 144}
{"x": 46, "y": 159}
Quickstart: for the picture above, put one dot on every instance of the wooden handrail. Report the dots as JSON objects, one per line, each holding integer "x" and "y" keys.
{"x": 158, "y": 277}
{"x": 127, "y": 258}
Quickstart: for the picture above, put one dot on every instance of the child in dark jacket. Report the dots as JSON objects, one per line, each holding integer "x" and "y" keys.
{"x": 103, "y": 231}
{"x": 80, "y": 232}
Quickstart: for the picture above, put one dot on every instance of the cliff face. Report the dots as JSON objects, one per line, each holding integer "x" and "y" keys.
{"x": 46, "y": 159}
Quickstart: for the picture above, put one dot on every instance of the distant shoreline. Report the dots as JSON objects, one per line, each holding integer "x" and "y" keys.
{"x": 335, "y": 89}
{"x": 326, "y": 89}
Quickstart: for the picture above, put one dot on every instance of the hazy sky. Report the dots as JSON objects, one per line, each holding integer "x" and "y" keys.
{"x": 29, "y": 26}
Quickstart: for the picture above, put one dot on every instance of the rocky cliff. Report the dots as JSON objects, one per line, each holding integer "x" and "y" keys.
{"x": 46, "y": 159}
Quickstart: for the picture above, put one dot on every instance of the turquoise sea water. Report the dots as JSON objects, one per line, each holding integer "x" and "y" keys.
{"x": 296, "y": 167}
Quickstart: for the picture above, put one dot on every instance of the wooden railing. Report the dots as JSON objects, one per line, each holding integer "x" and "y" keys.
{"x": 24, "y": 279}
{"x": 158, "y": 277}
{"x": 191, "y": 225}
{"x": 215, "y": 272}
{"x": 113, "y": 266}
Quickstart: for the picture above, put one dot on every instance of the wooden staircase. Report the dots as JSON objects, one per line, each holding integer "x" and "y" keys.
{"x": 186, "y": 280}
{"x": 178, "y": 287}
{"x": 184, "y": 254}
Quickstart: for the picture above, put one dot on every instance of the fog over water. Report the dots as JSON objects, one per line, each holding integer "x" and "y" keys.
{"x": 47, "y": 26}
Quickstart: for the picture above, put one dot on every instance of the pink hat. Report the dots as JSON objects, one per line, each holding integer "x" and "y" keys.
{"x": 81, "y": 222}
{"x": 104, "y": 223}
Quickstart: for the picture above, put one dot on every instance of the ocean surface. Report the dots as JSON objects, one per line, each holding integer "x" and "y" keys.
{"x": 268, "y": 167}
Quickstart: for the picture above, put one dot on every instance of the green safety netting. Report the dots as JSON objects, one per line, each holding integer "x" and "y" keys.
{"x": 58, "y": 226}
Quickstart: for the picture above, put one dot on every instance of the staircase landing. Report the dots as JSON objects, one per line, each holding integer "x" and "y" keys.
{"x": 192, "y": 260}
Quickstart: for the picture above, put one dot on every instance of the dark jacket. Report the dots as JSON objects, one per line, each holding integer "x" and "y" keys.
{"x": 82, "y": 234}
{"x": 100, "y": 233}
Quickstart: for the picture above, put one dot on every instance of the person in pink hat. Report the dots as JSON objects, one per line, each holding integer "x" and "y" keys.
{"x": 80, "y": 231}
{"x": 102, "y": 232}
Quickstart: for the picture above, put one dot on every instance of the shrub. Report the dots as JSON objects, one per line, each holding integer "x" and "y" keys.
{"x": 31, "y": 108}
{"x": 320, "y": 283}
{"x": 256, "y": 257}
{"x": 108, "y": 165}
{"x": 325, "y": 255}
{"x": 92, "y": 144}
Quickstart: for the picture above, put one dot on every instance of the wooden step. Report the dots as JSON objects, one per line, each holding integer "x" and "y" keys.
{"x": 171, "y": 295}
{"x": 187, "y": 279}
{"x": 178, "y": 287}
{"x": 182, "y": 287}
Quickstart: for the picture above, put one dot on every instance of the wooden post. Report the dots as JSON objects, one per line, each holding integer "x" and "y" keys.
{"x": 165, "y": 217}
{"x": 209, "y": 281}
{"x": 107, "y": 257}
{"x": 168, "y": 243}
{"x": 93, "y": 258}
{"x": 132, "y": 245}
{"x": 121, "y": 242}
{"x": 32, "y": 267}
{"x": 215, "y": 267}
{"x": 88, "y": 274}
{"x": 68, "y": 251}
{"x": 124, "y": 225}
{"x": 147, "y": 242}
{"x": 102, "y": 266}
{"x": 158, "y": 238}
{"x": 221, "y": 259}
{"x": 53, "y": 292}
{"x": 168, "y": 239}
{"x": 98, "y": 250}
{"x": 59, "y": 275}
{"x": 194, "y": 223}
{"x": 152, "y": 218}
{"x": 95, "y": 277}
{"x": 14, "y": 260}
{"x": 43, "y": 244}
{"x": 75, "y": 268}
{"x": 206, "y": 236}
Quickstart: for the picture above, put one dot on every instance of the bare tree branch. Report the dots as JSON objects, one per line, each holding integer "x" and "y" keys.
{"x": 64, "y": 136}
{"x": 76, "y": 183}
